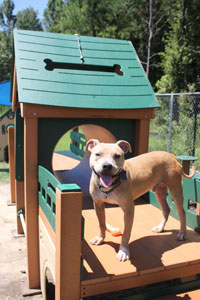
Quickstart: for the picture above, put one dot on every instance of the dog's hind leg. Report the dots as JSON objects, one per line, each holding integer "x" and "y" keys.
{"x": 177, "y": 196}
{"x": 160, "y": 191}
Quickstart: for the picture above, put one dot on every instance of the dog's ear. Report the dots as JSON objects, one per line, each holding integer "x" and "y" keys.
{"x": 125, "y": 146}
{"x": 91, "y": 144}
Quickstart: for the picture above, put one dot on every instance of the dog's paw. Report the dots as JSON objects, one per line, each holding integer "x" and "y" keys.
{"x": 181, "y": 236}
{"x": 158, "y": 229}
{"x": 98, "y": 240}
{"x": 123, "y": 254}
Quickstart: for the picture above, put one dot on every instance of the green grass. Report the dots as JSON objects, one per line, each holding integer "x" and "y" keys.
{"x": 4, "y": 109}
{"x": 4, "y": 173}
{"x": 158, "y": 143}
{"x": 63, "y": 143}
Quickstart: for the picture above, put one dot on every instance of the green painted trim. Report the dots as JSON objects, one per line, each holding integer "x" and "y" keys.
{"x": 186, "y": 157}
{"x": 69, "y": 187}
{"x": 78, "y": 143}
{"x": 47, "y": 198}
{"x": 47, "y": 193}
{"x": 21, "y": 211}
{"x": 19, "y": 147}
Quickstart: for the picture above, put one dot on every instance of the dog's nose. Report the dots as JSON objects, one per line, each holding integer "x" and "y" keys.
{"x": 107, "y": 166}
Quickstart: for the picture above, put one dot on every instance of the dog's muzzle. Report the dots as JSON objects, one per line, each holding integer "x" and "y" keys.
{"x": 107, "y": 181}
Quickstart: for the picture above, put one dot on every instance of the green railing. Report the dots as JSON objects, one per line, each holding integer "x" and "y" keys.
{"x": 78, "y": 143}
{"x": 191, "y": 194}
{"x": 47, "y": 193}
{"x": 47, "y": 198}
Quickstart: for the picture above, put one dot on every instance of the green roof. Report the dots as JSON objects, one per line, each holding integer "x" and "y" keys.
{"x": 79, "y": 71}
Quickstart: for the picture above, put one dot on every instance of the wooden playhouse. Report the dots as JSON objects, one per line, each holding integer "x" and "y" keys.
{"x": 65, "y": 83}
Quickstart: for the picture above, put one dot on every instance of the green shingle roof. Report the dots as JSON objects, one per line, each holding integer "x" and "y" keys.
{"x": 72, "y": 71}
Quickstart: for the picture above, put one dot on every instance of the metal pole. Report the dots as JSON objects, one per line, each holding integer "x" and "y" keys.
{"x": 23, "y": 223}
{"x": 195, "y": 106}
{"x": 170, "y": 122}
{"x": 20, "y": 214}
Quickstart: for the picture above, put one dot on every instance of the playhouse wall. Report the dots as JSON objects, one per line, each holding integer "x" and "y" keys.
{"x": 51, "y": 130}
{"x": 105, "y": 130}
{"x": 47, "y": 255}
{"x": 4, "y": 123}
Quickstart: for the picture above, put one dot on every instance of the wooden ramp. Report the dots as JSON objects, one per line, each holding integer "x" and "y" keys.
{"x": 154, "y": 257}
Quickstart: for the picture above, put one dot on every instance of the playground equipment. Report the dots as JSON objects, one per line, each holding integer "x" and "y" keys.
{"x": 5, "y": 93}
{"x": 95, "y": 87}
{"x": 6, "y": 119}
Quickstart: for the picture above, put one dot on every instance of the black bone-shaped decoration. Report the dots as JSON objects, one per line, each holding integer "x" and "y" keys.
{"x": 51, "y": 65}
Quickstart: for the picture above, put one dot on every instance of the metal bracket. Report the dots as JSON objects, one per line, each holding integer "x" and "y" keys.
{"x": 79, "y": 46}
{"x": 20, "y": 211}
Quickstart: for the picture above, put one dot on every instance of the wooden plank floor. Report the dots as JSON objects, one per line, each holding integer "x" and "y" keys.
{"x": 61, "y": 162}
{"x": 154, "y": 257}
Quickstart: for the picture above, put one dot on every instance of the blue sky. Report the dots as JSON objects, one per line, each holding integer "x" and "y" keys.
{"x": 38, "y": 5}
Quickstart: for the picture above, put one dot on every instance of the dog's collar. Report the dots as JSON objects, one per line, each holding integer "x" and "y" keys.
{"x": 120, "y": 175}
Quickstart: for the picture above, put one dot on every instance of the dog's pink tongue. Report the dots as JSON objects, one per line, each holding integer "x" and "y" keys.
{"x": 106, "y": 180}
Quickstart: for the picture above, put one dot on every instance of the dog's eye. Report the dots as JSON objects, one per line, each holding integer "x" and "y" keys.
{"x": 97, "y": 154}
{"x": 117, "y": 156}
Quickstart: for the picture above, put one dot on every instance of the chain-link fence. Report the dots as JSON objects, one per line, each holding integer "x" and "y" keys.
{"x": 176, "y": 127}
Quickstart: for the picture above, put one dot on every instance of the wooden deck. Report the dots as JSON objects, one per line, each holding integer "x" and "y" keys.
{"x": 155, "y": 257}
{"x": 61, "y": 162}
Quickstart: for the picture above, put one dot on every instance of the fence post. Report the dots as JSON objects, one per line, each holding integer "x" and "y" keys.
{"x": 170, "y": 122}
{"x": 195, "y": 109}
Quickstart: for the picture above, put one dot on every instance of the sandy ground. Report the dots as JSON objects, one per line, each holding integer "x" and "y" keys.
{"x": 12, "y": 252}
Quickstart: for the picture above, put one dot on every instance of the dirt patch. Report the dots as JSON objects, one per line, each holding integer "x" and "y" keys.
{"x": 13, "y": 252}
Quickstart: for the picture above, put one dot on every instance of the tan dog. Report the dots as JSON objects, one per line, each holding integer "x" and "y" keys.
{"x": 118, "y": 181}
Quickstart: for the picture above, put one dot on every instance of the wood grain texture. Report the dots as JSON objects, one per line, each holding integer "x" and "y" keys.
{"x": 154, "y": 257}
{"x": 31, "y": 202}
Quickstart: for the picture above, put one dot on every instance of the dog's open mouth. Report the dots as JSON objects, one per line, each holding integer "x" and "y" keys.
{"x": 106, "y": 180}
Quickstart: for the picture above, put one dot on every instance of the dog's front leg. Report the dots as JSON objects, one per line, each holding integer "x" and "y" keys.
{"x": 124, "y": 253}
{"x": 100, "y": 212}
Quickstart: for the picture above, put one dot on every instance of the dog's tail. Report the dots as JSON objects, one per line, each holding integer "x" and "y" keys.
{"x": 190, "y": 175}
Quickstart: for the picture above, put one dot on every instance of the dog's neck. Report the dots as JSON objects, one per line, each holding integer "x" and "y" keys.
{"x": 121, "y": 175}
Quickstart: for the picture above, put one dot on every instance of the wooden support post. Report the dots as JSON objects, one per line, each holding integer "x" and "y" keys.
{"x": 11, "y": 155}
{"x": 141, "y": 136}
{"x": 15, "y": 103}
{"x": 186, "y": 166}
{"x": 186, "y": 162}
{"x": 68, "y": 244}
{"x": 31, "y": 200}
